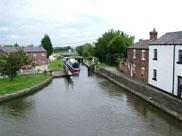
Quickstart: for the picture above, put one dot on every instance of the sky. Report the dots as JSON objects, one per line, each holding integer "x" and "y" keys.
{"x": 74, "y": 22}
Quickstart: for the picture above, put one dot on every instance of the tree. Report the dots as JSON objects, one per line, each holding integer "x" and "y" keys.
{"x": 47, "y": 45}
{"x": 116, "y": 49}
{"x": 85, "y": 50}
{"x": 79, "y": 49}
{"x": 11, "y": 63}
{"x": 101, "y": 49}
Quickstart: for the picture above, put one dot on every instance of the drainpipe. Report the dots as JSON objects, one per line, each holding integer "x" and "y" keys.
{"x": 173, "y": 67}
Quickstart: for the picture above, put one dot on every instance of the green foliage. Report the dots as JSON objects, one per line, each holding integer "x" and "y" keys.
{"x": 116, "y": 49}
{"x": 47, "y": 45}
{"x": 117, "y": 45}
{"x": 11, "y": 63}
{"x": 108, "y": 51}
{"x": 56, "y": 65}
{"x": 19, "y": 82}
{"x": 59, "y": 49}
{"x": 85, "y": 50}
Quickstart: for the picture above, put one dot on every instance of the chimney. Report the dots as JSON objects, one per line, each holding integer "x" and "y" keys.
{"x": 40, "y": 45}
{"x": 153, "y": 34}
{"x": 31, "y": 45}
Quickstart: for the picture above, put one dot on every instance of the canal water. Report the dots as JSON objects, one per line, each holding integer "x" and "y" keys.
{"x": 88, "y": 105}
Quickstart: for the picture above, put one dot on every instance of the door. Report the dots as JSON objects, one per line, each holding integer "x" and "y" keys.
{"x": 180, "y": 87}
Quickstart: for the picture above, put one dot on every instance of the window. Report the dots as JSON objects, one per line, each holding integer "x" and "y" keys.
{"x": 129, "y": 66}
{"x": 155, "y": 54}
{"x": 35, "y": 61}
{"x": 35, "y": 55}
{"x": 154, "y": 74}
{"x": 180, "y": 57}
{"x": 26, "y": 54}
{"x": 134, "y": 54}
{"x": 43, "y": 54}
{"x": 43, "y": 61}
{"x": 142, "y": 71}
{"x": 143, "y": 54}
{"x": 134, "y": 68}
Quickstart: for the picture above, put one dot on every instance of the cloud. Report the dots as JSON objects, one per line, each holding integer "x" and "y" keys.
{"x": 3, "y": 28}
{"x": 26, "y": 21}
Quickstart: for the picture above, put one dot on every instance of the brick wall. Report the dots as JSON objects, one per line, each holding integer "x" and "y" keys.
{"x": 139, "y": 63}
{"x": 124, "y": 67}
{"x": 38, "y": 58}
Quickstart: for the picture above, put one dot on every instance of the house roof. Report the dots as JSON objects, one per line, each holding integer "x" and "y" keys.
{"x": 26, "y": 49}
{"x": 141, "y": 44}
{"x": 169, "y": 39}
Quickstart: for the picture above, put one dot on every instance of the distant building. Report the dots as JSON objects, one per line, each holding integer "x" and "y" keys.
{"x": 37, "y": 54}
{"x": 137, "y": 59}
{"x": 165, "y": 63}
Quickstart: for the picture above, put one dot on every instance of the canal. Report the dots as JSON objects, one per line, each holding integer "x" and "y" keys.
{"x": 88, "y": 105}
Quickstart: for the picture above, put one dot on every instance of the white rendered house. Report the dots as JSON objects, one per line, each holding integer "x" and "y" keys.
{"x": 165, "y": 63}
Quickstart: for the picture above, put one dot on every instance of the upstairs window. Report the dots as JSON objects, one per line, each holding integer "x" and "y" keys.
{"x": 43, "y": 54}
{"x": 154, "y": 74}
{"x": 180, "y": 57}
{"x": 134, "y": 54}
{"x": 143, "y": 54}
{"x": 155, "y": 54}
{"x": 35, "y": 55}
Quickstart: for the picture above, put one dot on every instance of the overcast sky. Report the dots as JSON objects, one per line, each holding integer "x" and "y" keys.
{"x": 69, "y": 21}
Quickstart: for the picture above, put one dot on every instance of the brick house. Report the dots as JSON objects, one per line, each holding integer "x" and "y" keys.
{"x": 37, "y": 54}
{"x": 136, "y": 64}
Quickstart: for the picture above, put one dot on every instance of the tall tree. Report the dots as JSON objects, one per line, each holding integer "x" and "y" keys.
{"x": 11, "y": 63}
{"x": 47, "y": 45}
{"x": 116, "y": 49}
{"x": 101, "y": 49}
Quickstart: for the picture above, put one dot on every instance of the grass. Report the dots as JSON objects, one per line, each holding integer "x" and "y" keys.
{"x": 20, "y": 82}
{"x": 56, "y": 65}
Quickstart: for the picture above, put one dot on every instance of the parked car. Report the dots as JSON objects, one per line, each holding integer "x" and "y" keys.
{"x": 26, "y": 67}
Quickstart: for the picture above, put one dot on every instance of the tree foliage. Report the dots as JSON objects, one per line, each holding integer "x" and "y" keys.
{"x": 116, "y": 49}
{"x": 11, "y": 63}
{"x": 85, "y": 50}
{"x": 57, "y": 49}
{"x": 107, "y": 51}
{"x": 47, "y": 45}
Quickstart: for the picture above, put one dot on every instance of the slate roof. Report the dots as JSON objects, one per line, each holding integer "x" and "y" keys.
{"x": 141, "y": 44}
{"x": 169, "y": 39}
{"x": 26, "y": 49}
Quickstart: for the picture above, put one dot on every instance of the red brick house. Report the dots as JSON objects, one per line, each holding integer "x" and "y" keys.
{"x": 136, "y": 64}
{"x": 37, "y": 54}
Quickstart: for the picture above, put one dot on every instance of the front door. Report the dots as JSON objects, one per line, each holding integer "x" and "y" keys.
{"x": 180, "y": 87}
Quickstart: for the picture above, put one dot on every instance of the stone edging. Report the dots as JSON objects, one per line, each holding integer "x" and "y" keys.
{"x": 171, "y": 112}
{"x": 26, "y": 91}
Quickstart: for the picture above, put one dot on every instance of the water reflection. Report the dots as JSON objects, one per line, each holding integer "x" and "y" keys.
{"x": 16, "y": 108}
{"x": 69, "y": 83}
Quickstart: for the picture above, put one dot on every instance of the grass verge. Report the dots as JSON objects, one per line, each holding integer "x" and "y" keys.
{"x": 56, "y": 65}
{"x": 20, "y": 82}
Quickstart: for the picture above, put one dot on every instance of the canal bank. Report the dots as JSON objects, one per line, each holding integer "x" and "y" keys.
{"x": 26, "y": 91}
{"x": 161, "y": 100}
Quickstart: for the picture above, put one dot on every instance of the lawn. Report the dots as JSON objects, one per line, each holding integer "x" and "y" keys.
{"x": 56, "y": 65}
{"x": 20, "y": 82}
